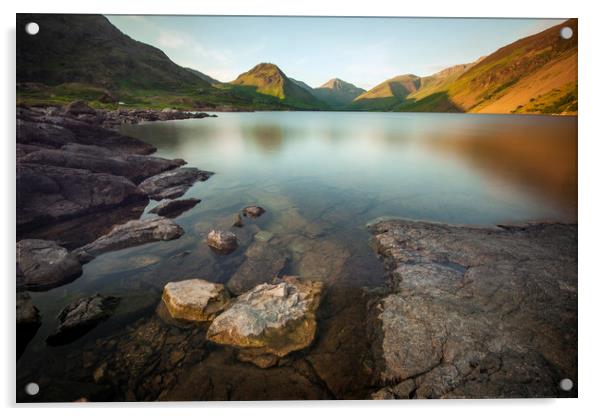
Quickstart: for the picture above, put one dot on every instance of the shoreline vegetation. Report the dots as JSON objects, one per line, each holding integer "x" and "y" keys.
{"x": 534, "y": 75}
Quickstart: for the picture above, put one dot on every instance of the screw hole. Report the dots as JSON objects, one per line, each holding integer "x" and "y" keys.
{"x": 566, "y": 384}
{"x": 566, "y": 32}
{"x": 32, "y": 389}
{"x": 32, "y": 28}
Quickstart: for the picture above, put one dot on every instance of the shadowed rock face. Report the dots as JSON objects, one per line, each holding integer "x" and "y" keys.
{"x": 82, "y": 315}
{"x": 476, "y": 312}
{"x": 28, "y": 321}
{"x": 194, "y": 299}
{"x": 132, "y": 233}
{"x": 48, "y": 194}
{"x": 43, "y": 264}
{"x": 175, "y": 208}
{"x": 270, "y": 320}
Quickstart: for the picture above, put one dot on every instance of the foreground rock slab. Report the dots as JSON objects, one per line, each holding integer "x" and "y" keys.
{"x": 271, "y": 319}
{"x": 82, "y": 315}
{"x": 132, "y": 233}
{"x": 42, "y": 265}
{"x": 174, "y": 208}
{"x": 172, "y": 184}
{"x": 476, "y": 312}
{"x": 195, "y": 300}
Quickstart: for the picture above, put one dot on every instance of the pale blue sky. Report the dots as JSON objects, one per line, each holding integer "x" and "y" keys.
{"x": 363, "y": 51}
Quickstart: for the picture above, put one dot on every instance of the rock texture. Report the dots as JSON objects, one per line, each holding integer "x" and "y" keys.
{"x": 132, "y": 233}
{"x": 174, "y": 208}
{"x": 28, "y": 321}
{"x": 253, "y": 211}
{"x": 223, "y": 242}
{"x": 476, "y": 312}
{"x": 48, "y": 194}
{"x": 195, "y": 299}
{"x": 82, "y": 315}
{"x": 172, "y": 184}
{"x": 263, "y": 263}
{"x": 43, "y": 264}
{"x": 271, "y": 319}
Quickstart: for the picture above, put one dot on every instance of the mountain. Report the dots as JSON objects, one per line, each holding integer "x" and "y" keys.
{"x": 88, "y": 49}
{"x": 536, "y": 74}
{"x": 337, "y": 93}
{"x": 268, "y": 79}
{"x": 302, "y": 85}
{"x": 387, "y": 94}
{"x": 204, "y": 77}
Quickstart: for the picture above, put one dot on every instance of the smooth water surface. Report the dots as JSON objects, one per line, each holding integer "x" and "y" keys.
{"x": 321, "y": 177}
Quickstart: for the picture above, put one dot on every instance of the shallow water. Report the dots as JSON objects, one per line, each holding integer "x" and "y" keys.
{"x": 321, "y": 177}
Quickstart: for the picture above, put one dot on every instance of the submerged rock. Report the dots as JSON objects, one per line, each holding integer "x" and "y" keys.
{"x": 476, "y": 312}
{"x": 174, "y": 208}
{"x": 224, "y": 242}
{"x": 82, "y": 315}
{"x": 43, "y": 264}
{"x": 195, "y": 299}
{"x": 237, "y": 221}
{"x": 172, "y": 184}
{"x": 263, "y": 262}
{"x": 253, "y": 211}
{"x": 132, "y": 233}
{"x": 27, "y": 314}
{"x": 270, "y": 319}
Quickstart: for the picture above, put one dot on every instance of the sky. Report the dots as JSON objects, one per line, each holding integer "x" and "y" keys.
{"x": 364, "y": 51}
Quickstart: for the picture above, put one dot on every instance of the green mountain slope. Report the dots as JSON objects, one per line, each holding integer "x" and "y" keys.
{"x": 88, "y": 49}
{"x": 203, "y": 76}
{"x": 338, "y": 93}
{"x": 268, "y": 79}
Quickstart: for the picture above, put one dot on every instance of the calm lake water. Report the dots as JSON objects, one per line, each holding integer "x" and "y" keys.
{"x": 321, "y": 176}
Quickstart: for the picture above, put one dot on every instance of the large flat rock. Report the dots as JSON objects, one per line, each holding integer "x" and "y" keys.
{"x": 476, "y": 312}
{"x": 172, "y": 184}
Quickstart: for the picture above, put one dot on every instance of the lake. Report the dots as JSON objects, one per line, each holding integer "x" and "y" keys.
{"x": 321, "y": 176}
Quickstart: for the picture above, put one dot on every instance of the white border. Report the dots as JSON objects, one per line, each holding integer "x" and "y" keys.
{"x": 590, "y": 208}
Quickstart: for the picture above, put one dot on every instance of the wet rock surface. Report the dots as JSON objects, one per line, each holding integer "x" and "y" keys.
{"x": 224, "y": 242}
{"x": 174, "y": 208}
{"x": 28, "y": 321}
{"x": 270, "y": 319}
{"x": 130, "y": 234}
{"x": 195, "y": 300}
{"x": 43, "y": 264}
{"x": 253, "y": 211}
{"x": 81, "y": 316}
{"x": 172, "y": 184}
{"x": 476, "y": 312}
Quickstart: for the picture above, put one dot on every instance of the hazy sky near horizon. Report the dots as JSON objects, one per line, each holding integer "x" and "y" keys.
{"x": 364, "y": 51}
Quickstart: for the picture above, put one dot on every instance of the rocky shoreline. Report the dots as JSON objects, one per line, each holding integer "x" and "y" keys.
{"x": 79, "y": 182}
